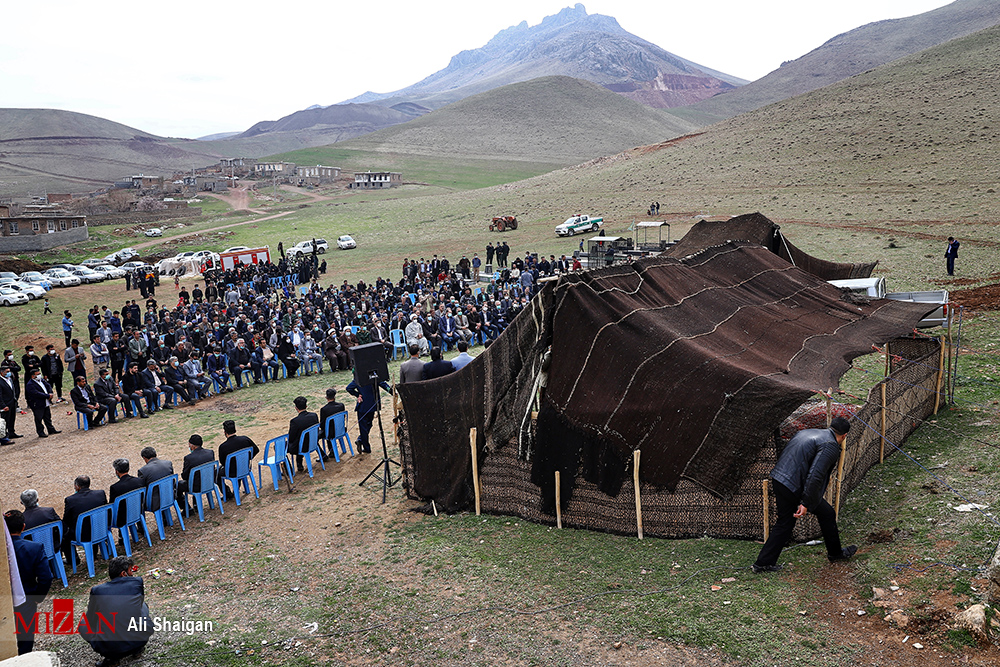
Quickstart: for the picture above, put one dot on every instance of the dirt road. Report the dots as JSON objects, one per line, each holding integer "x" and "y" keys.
{"x": 150, "y": 244}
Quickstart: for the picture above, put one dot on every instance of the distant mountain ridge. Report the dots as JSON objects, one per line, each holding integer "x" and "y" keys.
{"x": 570, "y": 43}
{"x": 851, "y": 53}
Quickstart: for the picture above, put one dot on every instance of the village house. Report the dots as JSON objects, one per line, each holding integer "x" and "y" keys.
{"x": 371, "y": 180}
{"x": 35, "y": 227}
{"x": 282, "y": 170}
{"x": 237, "y": 166}
{"x": 318, "y": 175}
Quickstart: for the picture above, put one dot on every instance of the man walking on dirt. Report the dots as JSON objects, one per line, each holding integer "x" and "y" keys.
{"x": 799, "y": 480}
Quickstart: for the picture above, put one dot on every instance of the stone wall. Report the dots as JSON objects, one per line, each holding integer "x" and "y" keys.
{"x": 142, "y": 217}
{"x": 35, "y": 242}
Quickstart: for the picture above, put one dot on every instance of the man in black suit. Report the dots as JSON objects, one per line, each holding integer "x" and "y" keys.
{"x": 153, "y": 470}
{"x": 437, "y": 367}
{"x": 82, "y": 500}
{"x": 233, "y": 444}
{"x": 8, "y": 404}
{"x": 38, "y": 394}
{"x": 296, "y": 426}
{"x": 197, "y": 456}
{"x": 36, "y": 579}
{"x": 33, "y": 514}
{"x": 153, "y": 382}
{"x": 52, "y": 369}
{"x": 125, "y": 483}
{"x": 332, "y": 407}
{"x": 85, "y": 401}
{"x": 124, "y": 599}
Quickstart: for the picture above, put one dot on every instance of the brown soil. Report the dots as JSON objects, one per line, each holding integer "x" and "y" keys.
{"x": 18, "y": 265}
{"x": 986, "y": 297}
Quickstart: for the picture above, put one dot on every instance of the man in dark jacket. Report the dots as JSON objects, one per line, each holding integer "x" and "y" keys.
{"x": 38, "y": 394}
{"x": 332, "y": 407}
{"x": 366, "y": 406}
{"x": 52, "y": 369}
{"x": 84, "y": 498}
{"x": 233, "y": 444}
{"x": 124, "y": 600}
{"x": 198, "y": 456}
{"x": 33, "y": 514}
{"x": 85, "y": 401}
{"x": 437, "y": 367}
{"x": 299, "y": 423}
{"x": 125, "y": 483}
{"x": 152, "y": 382}
{"x": 800, "y": 478}
{"x": 36, "y": 579}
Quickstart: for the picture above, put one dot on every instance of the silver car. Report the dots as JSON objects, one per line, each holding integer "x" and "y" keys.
{"x": 11, "y": 297}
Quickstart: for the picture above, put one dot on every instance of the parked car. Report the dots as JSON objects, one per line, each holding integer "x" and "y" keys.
{"x": 8, "y": 274}
{"x": 303, "y": 247}
{"x": 111, "y": 272}
{"x": 131, "y": 266}
{"x": 91, "y": 263}
{"x": 184, "y": 255}
{"x": 36, "y": 278}
{"x": 155, "y": 231}
{"x": 31, "y": 291}
{"x": 579, "y": 223}
{"x": 87, "y": 275}
{"x": 123, "y": 255}
{"x": 235, "y": 248}
{"x": 11, "y": 297}
{"x": 62, "y": 278}
{"x": 346, "y": 243}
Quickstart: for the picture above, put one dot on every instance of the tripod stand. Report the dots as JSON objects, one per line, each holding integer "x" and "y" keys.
{"x": 382, "y": 470}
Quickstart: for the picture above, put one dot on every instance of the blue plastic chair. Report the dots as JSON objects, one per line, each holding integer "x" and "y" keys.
{"x": 338, "y": 435}
{"x": 398, "y": 342}
{"x": 127, "y": 510}
{"x": 275, "y": 456}
{"x": 240, "y": 460}
{"x": 248, "y": 376}
{"x": 303, "y": 290}
{"x": 164, "y": 490}
{"x": 86, "y": 421}
{"x": 309, "y": 444}
{"x": 201, "y": 485}
{"x": 49, "y": 535}
{"x": 355, "y": 330}
{"x": 413, "y": 299}
{"x": 99, "y": 520}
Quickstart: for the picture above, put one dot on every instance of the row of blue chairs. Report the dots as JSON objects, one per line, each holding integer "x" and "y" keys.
{"x": 276, "y": 457}
{"x": 93, "y": 530}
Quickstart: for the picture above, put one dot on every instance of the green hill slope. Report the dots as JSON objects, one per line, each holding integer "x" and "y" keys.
{"x": 848, "y": 54}
{"x": 556, "y": 119}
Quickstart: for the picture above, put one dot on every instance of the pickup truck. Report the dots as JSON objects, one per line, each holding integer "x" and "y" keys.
{"x": 306, "y": 247}
{"x": 875, "y": 289}
{"x": 579, "y": 223}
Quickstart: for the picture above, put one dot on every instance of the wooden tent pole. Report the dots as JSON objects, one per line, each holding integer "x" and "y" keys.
{"x": 638, "y": 499}
{"x": 829, "y": 407}
{"x": 950, "y": 351}
{"x": 475, "y": 466}
{"x": 558, "y": 502}
{"x": 940, "y": 378}
{"x": 840, "y": 477}
{"x": 888, "y": 360}
{"x": 767, "y": 511}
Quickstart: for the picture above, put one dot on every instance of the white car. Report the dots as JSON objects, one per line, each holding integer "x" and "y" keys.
{"x": 29, "y": 290}
{"x": 131, "y": 266}
{"x": 579, "y": 223}
{"x": 236, "y": 248}
{"x": 346, "y": 243}
{"x": 36, "y": 278}
{"x": 123, "y": 255}
{"x": 303, "y": 247}
{"x": 11, "y": 297}
{"x": 87, "y": 275}
{"x": 62, "y": 278}
{"x": 91, "y": 263}
{"x": 184, "y": 255}
{"x": 155, "y": 231}
{"x": 111, "y": 272}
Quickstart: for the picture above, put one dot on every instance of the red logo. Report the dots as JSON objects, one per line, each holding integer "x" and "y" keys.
{"x": 62, "y": 621}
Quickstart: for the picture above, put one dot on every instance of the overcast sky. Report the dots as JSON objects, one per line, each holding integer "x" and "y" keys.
{"x": 191, "y": 69}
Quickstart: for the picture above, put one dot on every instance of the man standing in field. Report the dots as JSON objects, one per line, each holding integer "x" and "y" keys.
{"x": 951, "y": 253}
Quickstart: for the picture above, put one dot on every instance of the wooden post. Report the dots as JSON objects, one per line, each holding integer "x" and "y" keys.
{"x": 840, "y": 477}
{"x": 940, "y": 378}
{"x": 947, "y": 383}
{"x": 475, "y": 466}
{"x": 638, "y": 500}
{"x": 829, "y": 407}
{"x": 767, "y": 512}
{"x": 558, "y": 503}
{"x": 434, "y": 507}
{"x": 888, "y": 361}
{"x": 881, "y": 451}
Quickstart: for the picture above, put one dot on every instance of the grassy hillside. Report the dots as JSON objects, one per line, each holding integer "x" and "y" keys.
{"x": 550, "y": 119}
{"x": 848, "y": 54}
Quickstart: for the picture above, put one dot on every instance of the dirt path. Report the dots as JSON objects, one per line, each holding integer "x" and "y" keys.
{"x": 297, "y": 191}
{"x": 150, "y": 244}
{"x": 238, "y": 198}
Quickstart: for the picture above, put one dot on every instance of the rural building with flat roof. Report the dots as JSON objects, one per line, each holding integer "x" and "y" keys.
{"x": 371, "y": 180}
